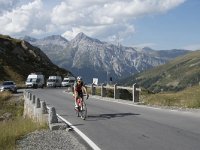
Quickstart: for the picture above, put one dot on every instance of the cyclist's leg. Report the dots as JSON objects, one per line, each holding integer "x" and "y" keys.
{"x": 83, "y": 110}
{"x": 75, "y": 99}
{"x": 81, "y": 96}
{"x": 75, "y": 103}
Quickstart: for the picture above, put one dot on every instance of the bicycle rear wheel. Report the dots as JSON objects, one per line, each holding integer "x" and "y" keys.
{"x": 83, "y": 112}
{"x": 77, "y": 111}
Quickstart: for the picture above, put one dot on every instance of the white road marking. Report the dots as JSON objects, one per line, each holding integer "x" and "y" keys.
{"x": 87, "y": 139}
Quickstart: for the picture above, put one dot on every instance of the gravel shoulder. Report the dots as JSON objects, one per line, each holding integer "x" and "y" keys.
{"x": 51, "y": 140}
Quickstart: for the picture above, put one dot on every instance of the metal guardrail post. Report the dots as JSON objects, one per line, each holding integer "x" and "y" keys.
{"x": 135, "y": 93}
{"x": 93, "y": 90}
{"x": 116, "y": 92}
{"x": 103, "y": 91}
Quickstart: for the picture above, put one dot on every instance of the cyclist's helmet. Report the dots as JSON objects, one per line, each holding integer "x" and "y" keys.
{"x": 79, "y": 78}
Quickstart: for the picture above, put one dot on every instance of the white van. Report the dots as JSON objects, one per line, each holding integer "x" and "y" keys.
{"x": 54, "y": 81}
{"x": 68, "y": 81}
{"x": 35, "y": 80}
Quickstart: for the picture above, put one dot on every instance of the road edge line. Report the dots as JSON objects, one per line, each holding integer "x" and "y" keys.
{"x": 87, "y": 139}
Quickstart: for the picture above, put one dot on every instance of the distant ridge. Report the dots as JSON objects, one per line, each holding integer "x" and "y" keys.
{"x": 19, "y": 58}
{"x": 178, "y": 74}
{"x": 91, "y": 58}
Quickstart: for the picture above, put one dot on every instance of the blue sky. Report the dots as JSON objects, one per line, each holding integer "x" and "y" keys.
{"x": 159, "y": 24}
{"x": 178, "y": 28}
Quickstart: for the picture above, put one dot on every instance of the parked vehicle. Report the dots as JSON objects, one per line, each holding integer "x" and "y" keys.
{"x": 68, "y": 81}
{"x": 8, "y": 86}
{"x": 35, "y": 80}
{"x": 54, "y": 81}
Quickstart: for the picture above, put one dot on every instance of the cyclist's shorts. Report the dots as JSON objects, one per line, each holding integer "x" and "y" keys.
{"x": 80, "y": 94}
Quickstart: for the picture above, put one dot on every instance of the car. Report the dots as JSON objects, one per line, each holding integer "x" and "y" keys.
{"x": 8, "y": 86}
{"x": 68, "y": 81}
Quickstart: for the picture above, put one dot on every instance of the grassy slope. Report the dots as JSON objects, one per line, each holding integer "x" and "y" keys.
{"x": 16, "y": 127}
{"x": 176, "y": 75}
{"x": 188, "y": 98}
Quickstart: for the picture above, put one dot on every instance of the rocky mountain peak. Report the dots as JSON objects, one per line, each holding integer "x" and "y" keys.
{"x": 81, "y": 35}
{"x": 147, "y": 49}
{"x": 55, "y": 37}
{"x": 90, "y": 57}
{"x": 83, "y": 38}
{"x": 53, "y": 40}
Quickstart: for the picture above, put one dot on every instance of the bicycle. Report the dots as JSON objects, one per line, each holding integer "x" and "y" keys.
{"x": 81, "y": 111}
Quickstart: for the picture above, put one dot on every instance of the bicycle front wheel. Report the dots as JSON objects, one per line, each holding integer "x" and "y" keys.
{"x": 83, "y": 112}
{"x": 77, "y": 111}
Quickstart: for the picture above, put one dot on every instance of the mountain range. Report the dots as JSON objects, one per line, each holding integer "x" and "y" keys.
{"x": 92, "y": 58}
{"x": 18, "y": 59}
{"x": 178, "y": 74}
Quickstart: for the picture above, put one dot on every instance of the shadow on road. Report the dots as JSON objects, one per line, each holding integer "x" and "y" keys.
{"x": 109, "y": 116}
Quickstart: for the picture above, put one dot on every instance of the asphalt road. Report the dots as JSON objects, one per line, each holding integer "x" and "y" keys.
{"x": 115, "y": 126}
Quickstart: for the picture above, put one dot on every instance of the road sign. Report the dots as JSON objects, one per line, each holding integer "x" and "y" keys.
{"x": 95, "y": 81}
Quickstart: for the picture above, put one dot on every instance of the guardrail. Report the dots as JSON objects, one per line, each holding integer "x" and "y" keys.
{"x": 134, "y": 89}
{"x": 37, "y": 110}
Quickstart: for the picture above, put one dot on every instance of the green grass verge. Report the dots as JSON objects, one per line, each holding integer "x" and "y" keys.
{"x": 17, "y": 126}
{"x": 7, "y": 104}
{"x": 12, "y": 130}
{"x": 4, "y": 97}
{"x": 189, "y": 98}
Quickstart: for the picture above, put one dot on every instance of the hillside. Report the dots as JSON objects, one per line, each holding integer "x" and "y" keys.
{"x": 91, "y": 57}
{"x": 187, "y": 98}
{"x": 18, "y": 58}
{"x": 176, "y": 75}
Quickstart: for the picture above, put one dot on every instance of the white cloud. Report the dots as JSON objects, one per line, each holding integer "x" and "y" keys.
{"x": 18, "y": 20}
{"x": 37, "y": 32}
{"x": 109, "y": 33}
{"x": 92, "y": 31}
{"x": 145, "y": 45}
{"x": 106, "y": 12}
{"x": 7, "y": 5}
{"x": 192, "y": 47}
{"x": 92, "y": 14}
{"x": 6, "y": 2}
{"x": 118, "y": 32}
{"x": 103, "y": 19}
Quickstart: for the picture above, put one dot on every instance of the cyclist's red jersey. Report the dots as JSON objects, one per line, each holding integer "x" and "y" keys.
{"x": 78, "y": 87}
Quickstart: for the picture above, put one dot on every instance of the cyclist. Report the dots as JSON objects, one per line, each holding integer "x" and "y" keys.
{"x": 79, "y": 89}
